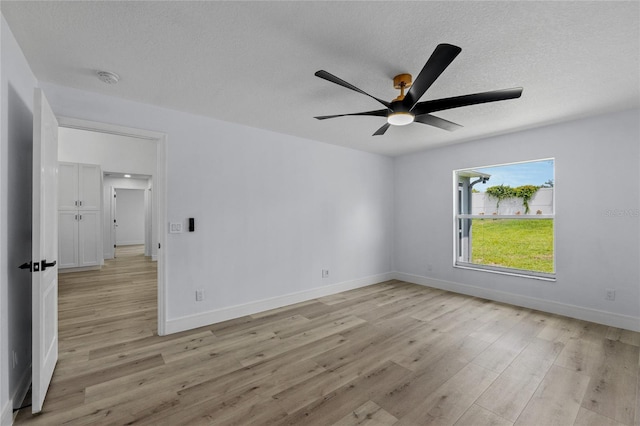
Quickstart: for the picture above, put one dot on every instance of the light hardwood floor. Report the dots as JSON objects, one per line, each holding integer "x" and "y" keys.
{"x": 389, "y": 354}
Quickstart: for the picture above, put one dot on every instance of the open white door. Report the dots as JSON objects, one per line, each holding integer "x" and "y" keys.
{"x": 45, "y": 249}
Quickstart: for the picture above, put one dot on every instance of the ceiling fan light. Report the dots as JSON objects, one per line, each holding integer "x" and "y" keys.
{"x": 400, "y": 118}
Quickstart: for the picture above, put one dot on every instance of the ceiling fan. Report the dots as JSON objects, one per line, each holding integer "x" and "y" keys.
{"x": 406, "y": 109}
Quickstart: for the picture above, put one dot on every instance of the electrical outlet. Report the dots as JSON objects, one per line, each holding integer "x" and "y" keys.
{"x": 175, "y": 228}
{"x": 611, "y": 294}
{"x": 199, "y": 295}
{"x": 325, "y": 273}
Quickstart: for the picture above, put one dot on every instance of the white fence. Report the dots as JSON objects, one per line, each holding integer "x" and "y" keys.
{"x": 541, "y": 203}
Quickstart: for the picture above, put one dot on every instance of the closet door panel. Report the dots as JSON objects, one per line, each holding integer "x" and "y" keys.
{"x": 67, "y": 239}
{"x": 89, "y": 237}
{"x": 90, "y": 193}
{"x": 67, "y": 186}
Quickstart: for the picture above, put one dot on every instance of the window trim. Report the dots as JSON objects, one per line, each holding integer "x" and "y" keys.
{"x": 523, "y": 273}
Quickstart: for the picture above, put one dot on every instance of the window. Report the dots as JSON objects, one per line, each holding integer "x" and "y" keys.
{"x": 504, "y": 218}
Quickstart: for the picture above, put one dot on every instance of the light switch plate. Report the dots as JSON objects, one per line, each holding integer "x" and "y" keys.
{"x": 175, "y": 228}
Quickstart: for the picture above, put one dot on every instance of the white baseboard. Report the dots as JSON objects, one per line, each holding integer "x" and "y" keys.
{"x": 80, "y": 269}
{"x": 587, "y": 314}
{"x": 130, "y": 243}
{"x": 6, "y": 417}
{"x": 211, "y": 317}
{"x": 17, "y": 398}
{"x": 23, "y": 387}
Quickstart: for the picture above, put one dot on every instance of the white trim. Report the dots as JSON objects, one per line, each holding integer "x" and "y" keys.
{"x": 223, "y": 314}
{"x": 23, "y": 387}
{"x": 159, "y": 188}
{"x": 587, "y": 314}
{"x": 79, "y": 269}
{"x": 131, "y": 243}
{"x": 6, "y": 416}
{"x": 542, "y": 276}
{"x": 506, "y": 216}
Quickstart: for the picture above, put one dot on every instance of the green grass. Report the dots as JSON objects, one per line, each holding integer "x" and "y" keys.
{"x": 513, "y": 243}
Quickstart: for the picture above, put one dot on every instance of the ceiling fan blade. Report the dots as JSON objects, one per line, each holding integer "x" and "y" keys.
{"x": 332, "y": 78}
{"x": 377, "y": 113}
{"x": 438, "y": 122}
{"x": 440, "y": 59}
{"x": 381, "y": 130}
{"x": 466, "y": 100}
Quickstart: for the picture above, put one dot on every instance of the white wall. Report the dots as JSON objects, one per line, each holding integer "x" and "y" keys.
{"x": 271, "y": 210}
{"x": 115, "y": 154}
{"x": 130, "y": 216}
{"x": 17, "y": 84}
{"x": 595, "y": 248}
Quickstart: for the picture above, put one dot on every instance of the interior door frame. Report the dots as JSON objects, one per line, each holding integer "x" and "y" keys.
{"x": 113, "y": 212}
{"x": 158, "y": 200}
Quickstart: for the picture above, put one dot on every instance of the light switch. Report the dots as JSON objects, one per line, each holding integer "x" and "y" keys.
{"x": 175, "y": 228}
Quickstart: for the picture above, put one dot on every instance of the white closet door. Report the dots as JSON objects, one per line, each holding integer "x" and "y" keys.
{"x": 90, "y": 181}
{"x": 67, "y": 186}
{"x": 68, "y": 239}
{"x": 90, "y": 243}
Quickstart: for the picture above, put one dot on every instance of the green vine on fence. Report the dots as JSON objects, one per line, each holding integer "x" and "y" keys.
{"x": 501, "y": 192}
{"x": 526, "y": 192}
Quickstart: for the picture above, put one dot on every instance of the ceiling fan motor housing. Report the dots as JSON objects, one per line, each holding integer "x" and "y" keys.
{"x": 399, "y": 114}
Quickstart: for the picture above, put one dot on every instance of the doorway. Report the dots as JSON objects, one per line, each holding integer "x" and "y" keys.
{"x": 127, "y": 213}
{"x": 124, "y": 146}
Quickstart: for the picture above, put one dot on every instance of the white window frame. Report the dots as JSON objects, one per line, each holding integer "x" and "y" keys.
{"x": 459, "y": 235}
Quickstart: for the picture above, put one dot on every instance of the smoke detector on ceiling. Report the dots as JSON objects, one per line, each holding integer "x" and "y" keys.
{"x": 108, "y": 77}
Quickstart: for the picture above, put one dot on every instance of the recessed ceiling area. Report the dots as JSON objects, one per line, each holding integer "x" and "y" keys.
{"x": 253, "y": 63}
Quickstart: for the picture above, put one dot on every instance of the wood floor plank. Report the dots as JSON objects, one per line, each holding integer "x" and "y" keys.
{"x": 478, "y": 416}
{"x": 369, "y": 414}
{"x": 589, "y": 418}
{"x": 557, "y": 399}
{"x": 503, "y": 351}
{"x": 513, "y": 389}
{"x": 335, "y": 405}
{"x": 448, "y": 403}
{"x": 612, "y": 388}
{"x": 391, "y": 353}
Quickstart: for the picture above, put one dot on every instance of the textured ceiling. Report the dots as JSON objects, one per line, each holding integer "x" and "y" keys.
{"x": 253, "y": 62}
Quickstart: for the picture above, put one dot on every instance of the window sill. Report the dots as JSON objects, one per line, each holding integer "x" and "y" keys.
{"x": 541, "y": 276}
{"x": 505, "y": 216}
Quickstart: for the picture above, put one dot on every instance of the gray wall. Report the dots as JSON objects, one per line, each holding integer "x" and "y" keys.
{"x": 597, "y": 225}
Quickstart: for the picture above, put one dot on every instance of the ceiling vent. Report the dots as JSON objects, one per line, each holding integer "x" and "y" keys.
{"x": 108, "y": 77}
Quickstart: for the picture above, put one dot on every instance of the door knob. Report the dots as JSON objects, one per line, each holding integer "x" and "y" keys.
{"x": 44, "y": 264}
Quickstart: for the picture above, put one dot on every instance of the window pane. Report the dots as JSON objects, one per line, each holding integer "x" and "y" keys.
{"x": 513, "y": 243}
{"x": 505, "y": 217}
